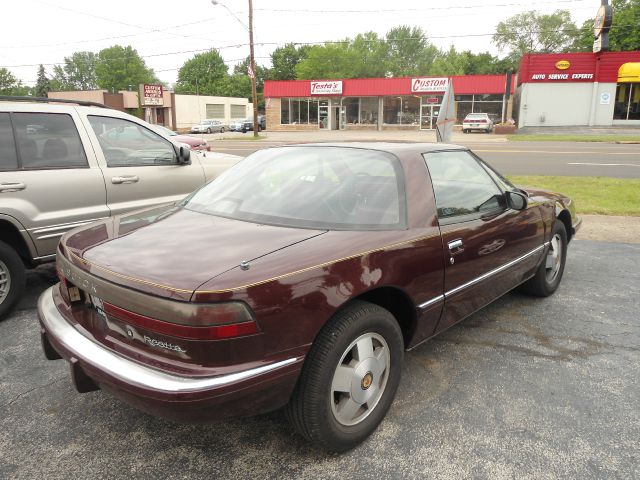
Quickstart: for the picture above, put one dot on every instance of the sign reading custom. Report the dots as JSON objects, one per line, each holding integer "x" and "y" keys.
{"x": 333, "y": 87}
{"x": 152, "y": 95}
{"x": 421, "y": 85}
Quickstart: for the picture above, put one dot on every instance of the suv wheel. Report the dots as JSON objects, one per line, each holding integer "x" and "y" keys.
{"x": 12, "y": 278}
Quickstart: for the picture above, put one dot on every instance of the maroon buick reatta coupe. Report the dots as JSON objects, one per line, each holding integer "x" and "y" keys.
{"x": 297, "y": 279}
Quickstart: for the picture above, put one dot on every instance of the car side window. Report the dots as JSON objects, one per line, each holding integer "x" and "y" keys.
{"x": 8, "y": 156}
{"x": 48, "y": 140}
{"x": 462, "y": 187}
{"x": 128, "y": 144}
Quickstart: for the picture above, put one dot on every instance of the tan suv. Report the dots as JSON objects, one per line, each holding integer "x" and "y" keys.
{"x": 65, "y": 165}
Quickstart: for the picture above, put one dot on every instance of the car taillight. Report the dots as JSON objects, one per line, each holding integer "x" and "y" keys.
{"x": 481, "y": 121}
{"x": 220, "y": 321}
{"x": 64, "y": 287}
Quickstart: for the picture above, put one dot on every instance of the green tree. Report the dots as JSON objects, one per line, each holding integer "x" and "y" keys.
{"x": 535, "y": 32}
{"x": 42, "y": 83}
{"x": 450, "y": 63}
{"x": 408, "y": 52}
{"x": 331, "y": 60}
{"x": 625, "y": 30}
{"x": 285, "y": 59}
{"x": 10, "y": 85}
{"x": 205, "y": 74}
{"x": 77, "y": 73}
{"x": 242, "y": 68}
{"x": 118, "y": 67}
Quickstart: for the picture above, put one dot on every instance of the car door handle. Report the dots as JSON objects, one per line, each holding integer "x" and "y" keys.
{"x": 125, "y": 179}
{"x": 455, "y": 245}
{"x": 12, "y": 187}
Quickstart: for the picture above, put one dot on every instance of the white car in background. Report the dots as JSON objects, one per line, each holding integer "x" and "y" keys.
{"x": 477, "y": 121}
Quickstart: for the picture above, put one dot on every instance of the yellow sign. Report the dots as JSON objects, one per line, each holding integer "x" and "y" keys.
{"x": 563, "y": 64}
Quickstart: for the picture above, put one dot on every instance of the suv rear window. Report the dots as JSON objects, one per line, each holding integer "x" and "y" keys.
{"x": 48, "y": 140}
{"x": 8, "y": 157}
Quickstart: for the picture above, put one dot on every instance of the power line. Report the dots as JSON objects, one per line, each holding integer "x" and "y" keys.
{"x": 326, "y": 42}
{"x": 397, "y": 10}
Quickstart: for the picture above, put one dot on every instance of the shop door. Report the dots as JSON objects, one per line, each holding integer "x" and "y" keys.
{"x": 342, "y": 123}
{"x": 429, "y": 116}
{"x": 323, "y": 116}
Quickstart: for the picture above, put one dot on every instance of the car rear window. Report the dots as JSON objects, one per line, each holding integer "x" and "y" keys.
{"x": 8, "y": 156}
{"x": 335, "y": 188}
{"x": 48, "y": 140}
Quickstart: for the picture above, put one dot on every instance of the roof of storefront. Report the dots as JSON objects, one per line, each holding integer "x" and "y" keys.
{"x": 603, "y": 67}
{"x": 374, "y": 87}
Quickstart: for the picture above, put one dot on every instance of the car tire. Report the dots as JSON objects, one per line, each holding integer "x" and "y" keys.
{"x": 12, "y": 279}
{"x": 549, "y": 274}
{"x": 222, "y": 130}
{"x": 208, "y": 130}
{"x": 465, "y": 131}
{"x": 334, "y": 404}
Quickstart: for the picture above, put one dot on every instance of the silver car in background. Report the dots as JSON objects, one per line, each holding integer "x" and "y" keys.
{"x": 208, "y": 126}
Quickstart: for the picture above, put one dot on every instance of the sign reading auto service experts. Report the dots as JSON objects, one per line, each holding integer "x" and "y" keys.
{"x": 429, "y": 85}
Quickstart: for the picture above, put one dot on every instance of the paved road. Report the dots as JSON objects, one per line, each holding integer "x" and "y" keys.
{"x": 510, "y": 158}
{"x": 527, "y": 388}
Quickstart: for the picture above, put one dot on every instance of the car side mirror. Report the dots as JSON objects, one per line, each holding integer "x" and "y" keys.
{"x": 184, "y": 155}
{"x": 517, "y": 200}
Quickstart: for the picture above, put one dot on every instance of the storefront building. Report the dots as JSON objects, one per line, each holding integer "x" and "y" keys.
{"x": 379, "y": 103}
{"x": 574, "y": 89}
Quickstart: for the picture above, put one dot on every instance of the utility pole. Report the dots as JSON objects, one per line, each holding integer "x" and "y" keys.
{"x": 252, "y": 73}
{"x": 252, "y": 61}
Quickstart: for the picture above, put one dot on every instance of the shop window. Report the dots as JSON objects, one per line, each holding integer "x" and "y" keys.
{"x": 369, "y": 110}
{"x": 284, "y": 111}
{"x": 493, "y": 109}
{"x": 627, "y": 104}
{"x": 297, "y": 111}
{"x": 488, "y": 97}
{"x": 463, "y": 98}
{"x": 403, "y": 110}
{"x": 352, "y": 109}
{"x": 462, "y": 110}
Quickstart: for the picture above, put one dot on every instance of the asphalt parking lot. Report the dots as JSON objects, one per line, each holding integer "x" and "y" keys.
{"x": 526, "y": 388}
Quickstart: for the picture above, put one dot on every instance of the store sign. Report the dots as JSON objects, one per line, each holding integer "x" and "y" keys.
{"x": 603, "y": 21}
{"x": 421, "y": 85}
{"x": 562, "y": 76}
{"x": 563, "y": 64}
{"x": 327, "y": 88}
{"x": 605, "y": 98}
{"x": 152, "y": 95}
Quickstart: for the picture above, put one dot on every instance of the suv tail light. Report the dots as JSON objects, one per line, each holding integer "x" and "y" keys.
{"x": 224, "y": 320}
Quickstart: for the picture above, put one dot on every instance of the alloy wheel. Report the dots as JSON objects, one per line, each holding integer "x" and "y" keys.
{"x": 554, "y": 258}
{"x": 5, "y": 281}
{"x": 360, "y": 379}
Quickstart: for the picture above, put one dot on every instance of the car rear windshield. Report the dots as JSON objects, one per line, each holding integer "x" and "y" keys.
{"x": 334, "y": 188}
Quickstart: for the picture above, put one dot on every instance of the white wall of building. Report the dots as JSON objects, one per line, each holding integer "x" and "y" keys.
{"x": 190, "y": 109}
{"x": 565, "y": 104}
{"x": 554, "y": 104}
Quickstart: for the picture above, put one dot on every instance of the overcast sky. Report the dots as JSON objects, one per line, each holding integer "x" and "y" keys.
{"x": 166, "y": 34}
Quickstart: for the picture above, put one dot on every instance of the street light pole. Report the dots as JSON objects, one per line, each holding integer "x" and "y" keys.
{"x": 252, "y": 62}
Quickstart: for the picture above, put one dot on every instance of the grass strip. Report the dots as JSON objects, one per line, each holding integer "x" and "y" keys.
{"x": 592, "y": 195}
{"x": 574, "y": 138}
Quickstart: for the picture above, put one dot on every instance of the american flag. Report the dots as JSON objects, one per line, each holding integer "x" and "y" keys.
{"x": 250, "y": 72}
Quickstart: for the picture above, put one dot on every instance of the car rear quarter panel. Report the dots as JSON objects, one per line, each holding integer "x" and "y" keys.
{"x": 295, "y": 291}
